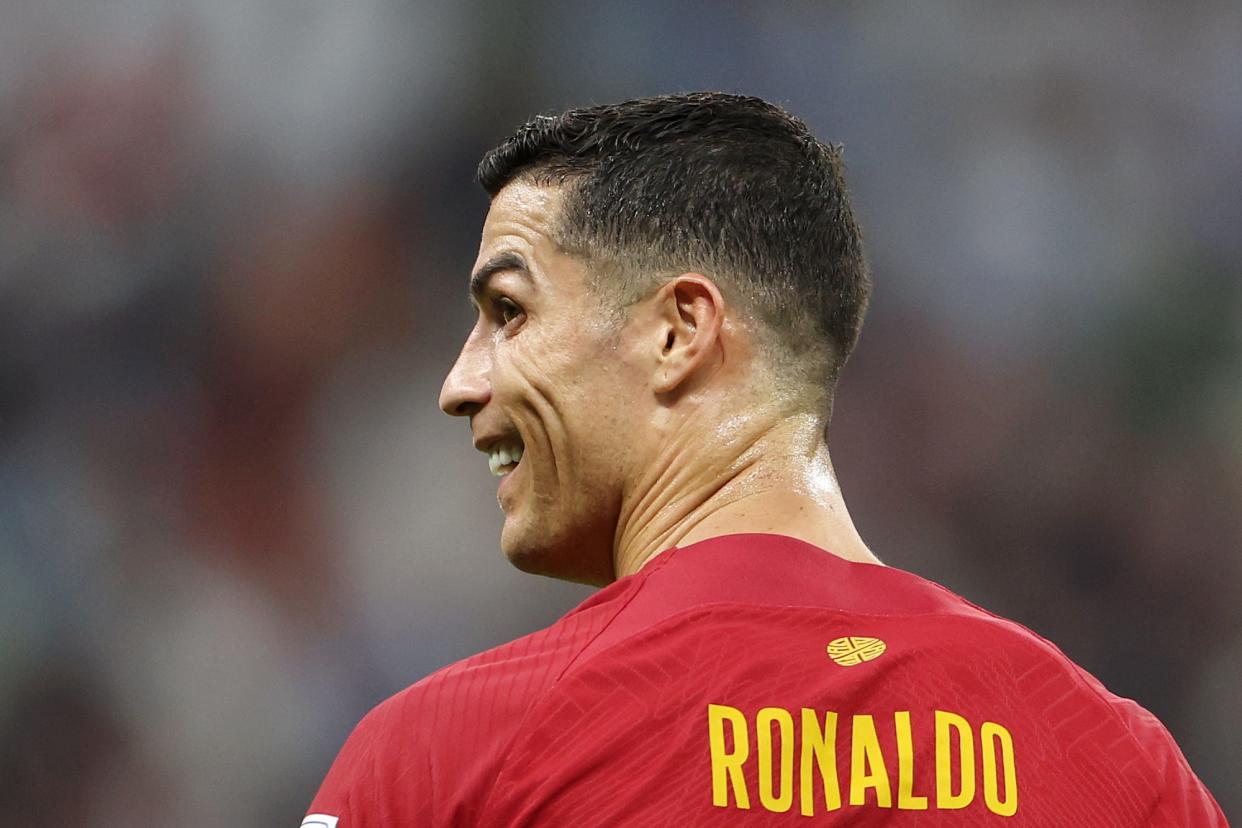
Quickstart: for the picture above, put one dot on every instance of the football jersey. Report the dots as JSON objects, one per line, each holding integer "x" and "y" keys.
{"x": 756, "y": 680}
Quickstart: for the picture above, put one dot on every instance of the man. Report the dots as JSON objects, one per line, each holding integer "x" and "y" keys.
{"x": 667, "y": 290}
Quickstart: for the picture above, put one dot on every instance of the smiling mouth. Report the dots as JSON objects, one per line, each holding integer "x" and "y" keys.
{"x": 504, "y": 457}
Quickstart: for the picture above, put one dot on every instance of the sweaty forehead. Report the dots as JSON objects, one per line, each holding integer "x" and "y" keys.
{"x": 522, "y": 219}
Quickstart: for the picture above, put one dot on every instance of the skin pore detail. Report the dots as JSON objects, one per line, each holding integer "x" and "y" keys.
{"x": 641, "y": 431}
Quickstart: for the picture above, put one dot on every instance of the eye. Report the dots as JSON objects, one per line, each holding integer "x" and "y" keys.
{"x": 507, "y": 310}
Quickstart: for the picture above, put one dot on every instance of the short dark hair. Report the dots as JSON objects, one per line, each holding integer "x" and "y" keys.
{"x": 730, "y": 185}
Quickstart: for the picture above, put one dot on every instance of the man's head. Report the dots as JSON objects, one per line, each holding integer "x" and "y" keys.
{"x": 647, "y": 265}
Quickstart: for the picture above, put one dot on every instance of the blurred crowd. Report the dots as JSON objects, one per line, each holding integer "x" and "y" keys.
{"x": 234, "y": 240}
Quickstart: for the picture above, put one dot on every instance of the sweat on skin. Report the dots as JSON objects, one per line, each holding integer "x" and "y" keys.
{"x": 661, "y": 432}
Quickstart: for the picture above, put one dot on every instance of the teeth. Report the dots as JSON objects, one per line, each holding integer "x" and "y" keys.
{"x": 501, "y": 459}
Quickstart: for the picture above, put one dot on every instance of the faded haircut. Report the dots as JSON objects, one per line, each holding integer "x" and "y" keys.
{"x": 731, "y": 186}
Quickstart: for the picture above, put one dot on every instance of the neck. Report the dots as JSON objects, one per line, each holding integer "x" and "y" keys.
{"x": 758, "y": 477}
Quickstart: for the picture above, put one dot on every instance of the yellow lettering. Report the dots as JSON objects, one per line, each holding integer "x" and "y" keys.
{"x": 727, "y": 767}
{"x": 906, "y": 799}
{"x": 989, "y": 734}
{"x": 958, "y": 767}
{"x": 763, "y": 727}
{"x": 945, "y": 798}
{"x": 819, "y": 746}
{"x": 867, "y": 764}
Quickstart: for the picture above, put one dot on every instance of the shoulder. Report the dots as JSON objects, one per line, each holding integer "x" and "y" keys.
{"x": 430, "y": 751}
{"x": 1085, "y": 736}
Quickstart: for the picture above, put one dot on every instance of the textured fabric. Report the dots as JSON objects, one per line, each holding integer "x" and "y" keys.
{"x": 757, "y": 680}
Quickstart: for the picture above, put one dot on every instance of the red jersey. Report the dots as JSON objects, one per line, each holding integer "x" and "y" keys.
{"x": 757, "y": 680}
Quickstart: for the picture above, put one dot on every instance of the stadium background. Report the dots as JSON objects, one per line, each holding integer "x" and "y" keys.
{"x": 234, "y": 239}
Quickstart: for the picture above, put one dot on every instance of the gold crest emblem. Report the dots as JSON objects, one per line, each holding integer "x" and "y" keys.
{"x": 855, "y": 649}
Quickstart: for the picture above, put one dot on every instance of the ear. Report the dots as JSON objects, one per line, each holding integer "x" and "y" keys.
{"x": 691, "y": 313}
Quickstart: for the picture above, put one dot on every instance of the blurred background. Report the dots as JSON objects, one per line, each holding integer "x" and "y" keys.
{"x": 234, "y": 243}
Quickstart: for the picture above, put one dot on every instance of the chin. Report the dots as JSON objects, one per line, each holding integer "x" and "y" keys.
{"x": 562, "y": 559}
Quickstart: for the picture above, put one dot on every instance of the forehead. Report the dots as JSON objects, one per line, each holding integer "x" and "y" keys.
{"x": 522, "y": 219}
{"x": 521, "y": 228}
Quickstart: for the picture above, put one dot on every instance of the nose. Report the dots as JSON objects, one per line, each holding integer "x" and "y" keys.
{"x": 467, "y": 389}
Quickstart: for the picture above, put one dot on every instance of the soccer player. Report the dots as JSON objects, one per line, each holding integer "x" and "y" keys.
{"x": 667, "y": 290}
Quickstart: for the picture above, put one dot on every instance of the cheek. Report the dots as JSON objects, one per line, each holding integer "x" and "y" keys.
{"x": 545, "y": 370}
{"x": 537, "y": 388}
{"x": 605, "y": 417}
{"x": 574, "y": 395}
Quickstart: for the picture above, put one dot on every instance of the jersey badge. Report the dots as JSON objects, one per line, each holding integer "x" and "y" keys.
{"x": 855, "y": 649}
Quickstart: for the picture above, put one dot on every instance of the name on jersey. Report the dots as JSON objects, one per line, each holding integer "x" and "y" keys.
{"x": 792, "y": 756}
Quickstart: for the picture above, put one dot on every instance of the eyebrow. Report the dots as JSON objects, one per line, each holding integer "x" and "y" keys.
{"x": 496, "y": 264}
